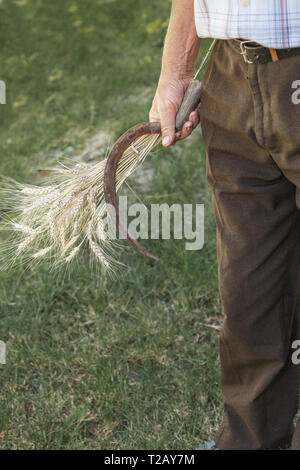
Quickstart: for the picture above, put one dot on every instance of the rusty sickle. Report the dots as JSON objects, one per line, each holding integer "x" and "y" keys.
{"x": 190, "y": 102}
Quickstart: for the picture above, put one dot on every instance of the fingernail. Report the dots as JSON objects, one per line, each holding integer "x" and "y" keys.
{"x": 166, "y": 141}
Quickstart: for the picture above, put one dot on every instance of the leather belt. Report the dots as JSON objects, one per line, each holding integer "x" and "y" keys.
{"x": 255, "y": 53}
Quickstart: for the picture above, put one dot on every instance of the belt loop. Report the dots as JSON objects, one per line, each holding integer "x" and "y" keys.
{"x": 244, "y": 52}
{"x": 274, "y": 55}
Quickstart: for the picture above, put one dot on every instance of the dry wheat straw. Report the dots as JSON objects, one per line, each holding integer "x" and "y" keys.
{"x": 56, "y": 220}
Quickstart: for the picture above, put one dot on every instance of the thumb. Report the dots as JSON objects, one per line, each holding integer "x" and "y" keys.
{"x": 167, "y": 119}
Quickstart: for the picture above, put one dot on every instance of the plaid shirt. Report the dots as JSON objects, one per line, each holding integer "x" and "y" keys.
{"x": 272, "y": 23}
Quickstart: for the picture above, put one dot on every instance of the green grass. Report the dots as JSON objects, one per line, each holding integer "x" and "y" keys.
{"x": 94, "y": 362}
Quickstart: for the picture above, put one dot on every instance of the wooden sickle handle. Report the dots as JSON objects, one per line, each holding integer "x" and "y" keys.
{"x": 191, "y": 101}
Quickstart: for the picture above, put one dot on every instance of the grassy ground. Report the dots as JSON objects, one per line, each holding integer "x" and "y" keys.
{"x": 93, "y": 362}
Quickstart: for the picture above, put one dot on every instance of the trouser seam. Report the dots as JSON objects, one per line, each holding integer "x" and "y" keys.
{"x": 258, "y": 104}
{"x": 285, "y": 287}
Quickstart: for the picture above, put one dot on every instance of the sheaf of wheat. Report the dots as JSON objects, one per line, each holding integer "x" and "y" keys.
{"x": 55, "y": 221}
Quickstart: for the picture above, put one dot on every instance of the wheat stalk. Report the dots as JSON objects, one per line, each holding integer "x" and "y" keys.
{"x": 56, "y": 220}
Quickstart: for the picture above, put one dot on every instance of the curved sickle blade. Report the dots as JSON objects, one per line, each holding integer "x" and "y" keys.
{"x": 113, "y": 159}
{"x": 190, "y": 102}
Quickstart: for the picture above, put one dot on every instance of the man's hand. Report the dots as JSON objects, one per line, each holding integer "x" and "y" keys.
{"x": 178, "y": 69}
{"x": 166, "y": 103}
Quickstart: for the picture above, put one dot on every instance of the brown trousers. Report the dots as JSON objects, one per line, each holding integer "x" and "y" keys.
{"x": 251, "y": 129}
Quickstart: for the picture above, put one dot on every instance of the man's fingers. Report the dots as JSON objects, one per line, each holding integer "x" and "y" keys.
{"x": 168, "y": 127}
{"x": 195, "y": 118}
{"x": 189, "y": 126}
{"x": 185, "y": 132}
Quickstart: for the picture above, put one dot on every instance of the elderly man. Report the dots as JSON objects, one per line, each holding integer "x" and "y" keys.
{"x": 250, "y": 117}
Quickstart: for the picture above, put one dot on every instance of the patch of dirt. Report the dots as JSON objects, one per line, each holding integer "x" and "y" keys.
{"x": 97, "y": 146}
